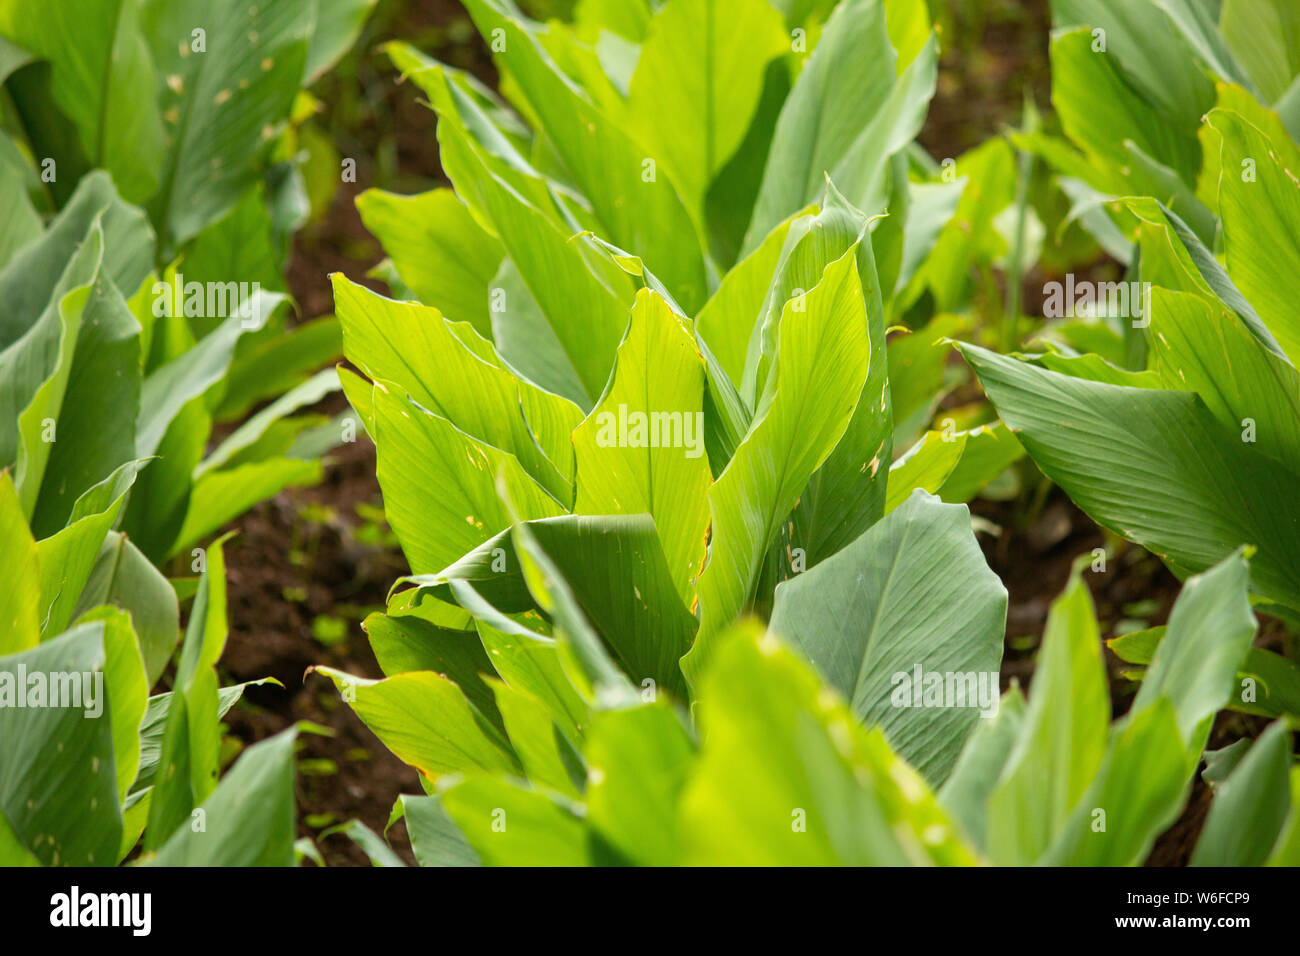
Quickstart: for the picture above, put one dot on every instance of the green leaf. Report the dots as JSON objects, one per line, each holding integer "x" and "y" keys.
{"x": 102, "y": 78}
{"x": 1063, "y": 738}
{"x": 697, "y": 83}
{"x": 1251, "y": 806}
{"x": 220, "y": 107}
{"x": 1208, "y": 636}
{"x": 188, "y": 762}
{"x": 965, "y": 794}
{"x": 425, "y": 720}
{"x": 272, "y": 368}
{"x": 641, "y": 449}
{"x": 405, "y": 643}
{"x": 454, "y": 374}
{"x": 817, "y": 376}
{"x": 94, "y": 427}
{"x": 1154, "y": 466}
{"x": 926, "y": 465}
{"x": 1262, "y": 251}
{"x": 67, "y": 559}
{"x": 848, "y": 113}
{"x": 369, "y": 842}
{"x": 787, "y": 777}
{"x": 510, "y": 826}
{"x": 127, "y": 690}
{"x": 909, "y": 601}
{"x": 1264, "y": 36}
{"x": 647, "y": 218}
{"x": 639, "y": 762}
{"x": 439, "y": 483}
{"x": 334, "y": 32}
{"x": 58, "y": 786}
{"x": 435, "y": 838}
{"x": 20, "y": 609}
{"x": 249, "y": 818}
{"x": 521, "y": 210}
{"x": 221, "y": 496}
{"x": 124, "y": 578}
{"x": 439, "y": 250}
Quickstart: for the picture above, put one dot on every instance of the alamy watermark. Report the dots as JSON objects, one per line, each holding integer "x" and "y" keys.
{"x": 1120, "y": 300}
{"x": 211, "y": 300}
{"x": 133, "y": 911}
{"x": 922, "y": 688}
{"x": 65, "y": 690}
{"x": 628, "y": 429}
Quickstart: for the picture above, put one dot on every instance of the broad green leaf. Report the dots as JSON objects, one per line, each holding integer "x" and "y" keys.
{"x": 541, "y": 750}
{"x": 508, "y": 825}
{"x": 124, "y": 578}
{"x": 102, "y": 78}
{"x": 67, "y": 558}
{"x": 986, "y": 453}
{"x": 168, "y": 389}
{"x": 1207, "y": 639}
{"x": 251, "y": 440}
{"x": 615, "y": 574}
{"x": 642, "y": 214}
{"x": 249, "y": 818}
{"x": 528, "y": 662}
{"x": 1264, "y": 36}
{"x": 426, "y": 721}
{"x": 1139, "y": 39}
{"x": 1251, "y": 806}
{"x": 926, "y": 465}
{"x": 844, "y": 498}
{"x": 587, "y": 664}
{"x": 787, "y": 777}
{"x": 698, "y": 82}
{"x": 1259, "y": 198}
{"x": 20, "y": 609}
{"x": 58, "y": 786}
{"x": 126, "y": 689}
{"x": 221, "y": 496}
{"x": 153, "y": 728}
{"x": 272, "y": 368}
{"x": 965, "y": 794}
{"x": 907, "y": 622}
{"x": 1137, "y": 793}
{"x": 555, "y": 271}
{"x": 1286, "y": 852}
{"x": 42, "y": 271}
{"x": 406, "y": 643}
{"x": 641, "y": 449}
{"x": 435, "y": 838}
{"x": 1063, "y": 738}
{"x": 1083, "y": 78}
{"x": 439, "y": 483}
{"x": 188, "y": 764}
{"x": 220, "y": 107}
{"x": 439, "y": 250}
{"x": 334, "y": 31}
{"x": 94, "y": 425}
{"x": 847, "y": 114}
{"x": 413, "y": 346}
{"x": 639, "y": 761}
{"x": 1154, "y": 466}
{"x": 727, "y": 320}
{"x": 820, "y": 365}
